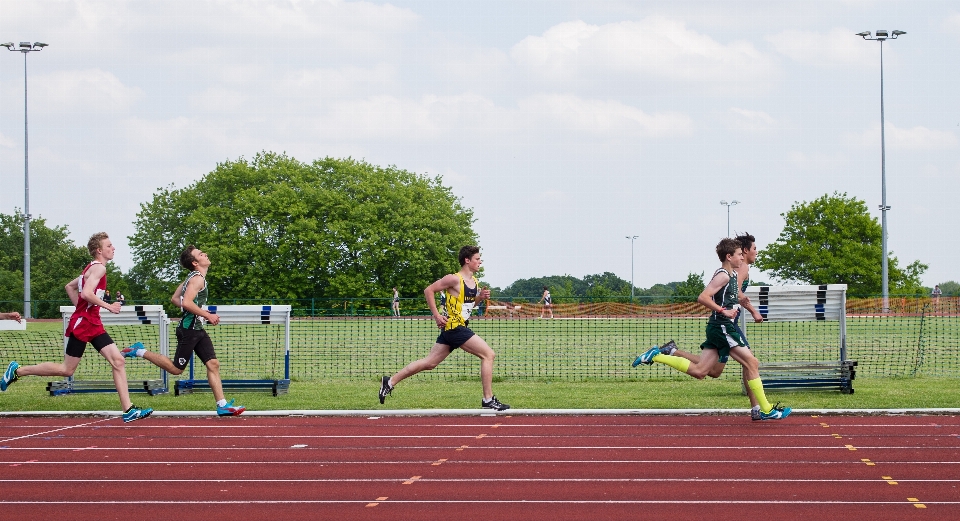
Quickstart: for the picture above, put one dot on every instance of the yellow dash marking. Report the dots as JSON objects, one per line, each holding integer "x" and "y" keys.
{"x": 481, "y": 436}
{"x": 823, "y": 424}
{"x": 851, "y": 447}
{"x": 868, "y": 462}
{"x": 889, "y": 479}
{"x": 837, "y": 436}
{"x": 495, "y": 425}
{"x": 438, "y": 462}
{"x": 463, "y": 447}
{"x": 375, "y": 504}
{"x": 411, "y": 480}
{"x": 914, "y": 501}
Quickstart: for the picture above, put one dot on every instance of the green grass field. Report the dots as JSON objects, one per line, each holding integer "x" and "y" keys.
{"x": 578, "y": 363}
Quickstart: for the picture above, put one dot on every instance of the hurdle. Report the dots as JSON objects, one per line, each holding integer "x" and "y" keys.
{"x": 147, "y": 324}
{"x": 236, "y": 339}
{"x": 826, "y": 302}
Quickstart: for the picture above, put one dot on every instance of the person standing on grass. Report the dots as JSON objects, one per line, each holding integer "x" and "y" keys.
{"x": 935, "y": 294}
{"x": 396, "y": 302}
{"x": 749, "y": 245}
{"x": 547, "y": 302}
{"x": 85, "y": 326}
{"x": 462, "y": 291}
{"x": 191, "y": 336}
{"x": 723, "y": 337}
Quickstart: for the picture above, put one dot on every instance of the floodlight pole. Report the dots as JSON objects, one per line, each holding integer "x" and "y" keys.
{"x": 632, "y": 238}
{"x": 26, "y": 48}
{"x": 728, "y": 205}
{"x": 880, "y": 36}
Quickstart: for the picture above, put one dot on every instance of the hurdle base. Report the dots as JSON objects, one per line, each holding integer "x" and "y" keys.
{"x": 276, "y": 387}
{"x": 64, "y": 387}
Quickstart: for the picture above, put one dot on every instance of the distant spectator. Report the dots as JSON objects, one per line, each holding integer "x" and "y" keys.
{"x": 936, "y": 297}
{"x": 120, "y": 298}
{"x": 396, "y": 302}
{"x": 107, "y": 297}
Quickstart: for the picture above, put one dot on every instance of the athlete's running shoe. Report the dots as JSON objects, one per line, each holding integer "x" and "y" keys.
{"x": 385, "y": 388}
{"x": 494, "y": 404}
{"x": 9, "y": 376}
{"x": 647, "y": 358}
{"x": 135, "y": 413}
{"x": 230, "y": 409}
{"x": 669, "y": 348}
{"x": 131, "y": 352}
{"x": 777, "y": 413}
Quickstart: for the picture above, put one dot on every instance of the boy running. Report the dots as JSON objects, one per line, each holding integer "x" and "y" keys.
{"x": 191, "y": 337}
{"x": 86, "y": 292}
{"x": 723, "y": 337}
{"x": 749, "y": 245}
{"x": 462, "y": 293}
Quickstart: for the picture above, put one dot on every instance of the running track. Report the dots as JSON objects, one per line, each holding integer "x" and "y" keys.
{"x": 482, "y": 467}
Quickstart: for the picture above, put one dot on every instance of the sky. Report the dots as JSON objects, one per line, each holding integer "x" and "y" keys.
{"x": 567, "y": 126}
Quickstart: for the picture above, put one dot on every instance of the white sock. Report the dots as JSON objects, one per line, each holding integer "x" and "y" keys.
{"x": 756, "y": 407}
{"x": 140, "y": 352}
{"x": 221, "y": 403}
{"x": 390, "y": 383}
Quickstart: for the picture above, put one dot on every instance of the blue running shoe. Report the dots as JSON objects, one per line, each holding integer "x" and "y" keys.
{"x": 135, "y": 413}
{"x": 647, "y": 358}
{"x": 230, "y": 410}
{"x": 131, "y": 352}
{"x": 777, "y": 413}
{"x": 9, "y": 376}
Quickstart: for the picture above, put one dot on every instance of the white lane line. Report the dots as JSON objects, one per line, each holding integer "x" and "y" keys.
{"x": 481, "y": 480}
{"x": 143, "y": 446}
{"x": 480, "y": 501}
{"x": 477, "y": 462}
{"x": 55, "y": 430}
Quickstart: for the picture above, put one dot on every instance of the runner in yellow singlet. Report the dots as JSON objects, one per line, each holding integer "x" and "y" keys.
{"x": 463, "y": 293}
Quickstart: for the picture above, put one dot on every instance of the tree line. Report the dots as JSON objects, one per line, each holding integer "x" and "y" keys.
{"x": 279, "y": 228}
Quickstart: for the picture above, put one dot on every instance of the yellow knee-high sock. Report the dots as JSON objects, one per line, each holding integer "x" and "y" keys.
{"x": 676, "y": 362}
{"x": 756, "y": 386}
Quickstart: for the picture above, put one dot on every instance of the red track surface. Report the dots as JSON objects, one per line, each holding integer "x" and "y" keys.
{"x": 503, "y": 467}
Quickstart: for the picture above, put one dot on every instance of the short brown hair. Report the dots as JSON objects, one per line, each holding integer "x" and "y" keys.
{"x": 95, "y": 242}
{"x": 186, "y": 257}
{"x": 466, "y": 252}
{"x": 746, "y": 240}
{"x": 727, "y": 246}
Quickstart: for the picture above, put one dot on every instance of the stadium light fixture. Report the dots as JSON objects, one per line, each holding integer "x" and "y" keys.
{"x": 728, "y": 205}
{"x": 25, "y": 48}
{"x": 880, "y": 36}
{"x": 632, "y": 238}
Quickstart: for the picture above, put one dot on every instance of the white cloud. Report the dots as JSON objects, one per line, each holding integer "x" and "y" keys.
{"x": 601, "y": 117}
{"x": 744, "y": 119}
{"x": 838, "y": 47}
{"x": 655, "y": 46}
{"x": 916, "y": 138}
{"x": 89, "y": 90}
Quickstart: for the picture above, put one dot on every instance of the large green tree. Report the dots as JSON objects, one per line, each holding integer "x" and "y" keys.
{"x": 276, "y": 227}
{"x": 834, "y": 240}
{"x": 54, "y": 261}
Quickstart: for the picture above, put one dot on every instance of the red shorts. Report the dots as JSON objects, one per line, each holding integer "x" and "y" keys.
{"x": 83, "y": 329}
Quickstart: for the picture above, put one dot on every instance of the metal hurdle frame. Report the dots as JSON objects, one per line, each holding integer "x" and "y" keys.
{"x": 246, "y": 314}
{"x": 801, "y": 303}
{"x": 128, "y": 316}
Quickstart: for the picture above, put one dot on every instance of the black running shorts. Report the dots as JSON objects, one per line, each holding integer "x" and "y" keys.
{"x": 455, "y": 337}
{"x": 76, "y": 347}
{"x": 190, "y": 341}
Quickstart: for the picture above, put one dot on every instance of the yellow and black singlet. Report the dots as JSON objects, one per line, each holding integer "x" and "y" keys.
{"x": 461, "y": 306}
